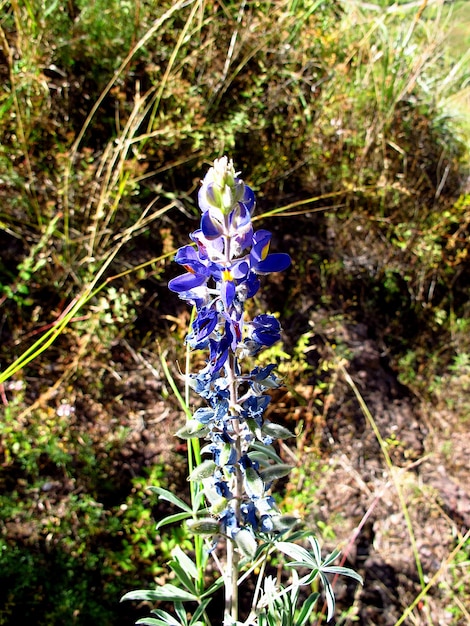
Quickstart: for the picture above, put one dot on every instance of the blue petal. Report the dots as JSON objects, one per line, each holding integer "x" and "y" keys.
{"x": 253, "y": 285}
{"x": 185, "y": 282}
{"x": 261, "y": 241}
{"x": 204, "y": 415}
{"x": 276, "y": 262}
{"x": 206, "y": 197}
{"x": 210, "y": 226}
{"x": 227, "y": 292}
{"x": 187, "y": 255}
{"x": 249, "y": 198}
{"x": 205, "y": 322}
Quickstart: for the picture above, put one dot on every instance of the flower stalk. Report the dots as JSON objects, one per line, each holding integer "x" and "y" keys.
{"x": 237, "y": 467}
{"x": 222, "y": 273}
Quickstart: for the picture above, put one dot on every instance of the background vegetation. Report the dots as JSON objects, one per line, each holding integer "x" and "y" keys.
{"x": 351, "y": 121}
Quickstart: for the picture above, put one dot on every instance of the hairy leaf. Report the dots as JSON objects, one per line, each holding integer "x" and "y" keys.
{"x": 168, "y": 593}
{"x": 204, "y": 470}
{"x": 275, "y": 472}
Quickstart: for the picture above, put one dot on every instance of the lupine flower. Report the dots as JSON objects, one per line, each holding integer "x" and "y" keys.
{"x": 222, "y": 271}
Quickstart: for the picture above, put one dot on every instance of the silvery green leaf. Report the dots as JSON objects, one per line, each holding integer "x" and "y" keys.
{"x": 182, "y": 576}
{"x": 171, "y": 519}
{"x": 306, "y": 610}
{"x": 259, "y": 457}
{"x": 218, "y": 506}
{"x": 253, "y": 483}
{"x": 253, "y": 426}
{"x": 192, "y": 429}
{"x": 166, "y": 618}
{"x": 203, "y": 526}
{"x": 170, "y": 497}
{"x": 204, "y": 470}
{"x": 213, "y": 588}
{"x": 274, "y": 472}
{"x": 329, "y": 557}
{"x": 329, "y": 595}
{"x": 296, "y": 552}
{"x": 317, "y": 551}
{"x": 183, "y": 559}
{"x": 284, "y": 522}
{"x": 168, "y": 593}
{"x": 343, "y": 571}
{"x": 198, "y": 612}
{"x": 185, "y": 569}
{"x": 225, "y": 454}
{"x": 268, "y": 451}
{"x": 169, "y": 619}
{"x": 151, "y": 621}
{"x": 246, "y": 543}
{"x": 181, "y": 613}
{"x": 276, "y": 431}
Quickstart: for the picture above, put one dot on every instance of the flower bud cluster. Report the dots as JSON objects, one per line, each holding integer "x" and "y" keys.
{"x": 223, "y": 267}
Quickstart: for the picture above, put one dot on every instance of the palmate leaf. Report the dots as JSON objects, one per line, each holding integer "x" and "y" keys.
{"x": 313, "y": 561}
{"x": 329, "y": 595}
{"x": 152, "y": 621}
{"x": 254, "y": 484}
{"x": 317, "y": 552}
{"x": 203, "y": 470}
{"x": 164, "y": 494}
{"x": 183, "y": 576}
{"x": 170, "y": 519}
{"x": 343, "y": 571}
{"x": 167, "y": 592}
{"x": 199, "y": 612}
{"x": 302, "y": 557}
{"x": 307, "y": 609}
{"x": 274, "y": 472}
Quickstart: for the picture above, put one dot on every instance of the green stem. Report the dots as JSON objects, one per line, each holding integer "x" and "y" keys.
{"x": 194, "y": 459}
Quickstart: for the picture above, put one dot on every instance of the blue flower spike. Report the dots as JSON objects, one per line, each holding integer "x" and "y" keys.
{"x": 222, "y": 273}
{"x": 232, "y": 474}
